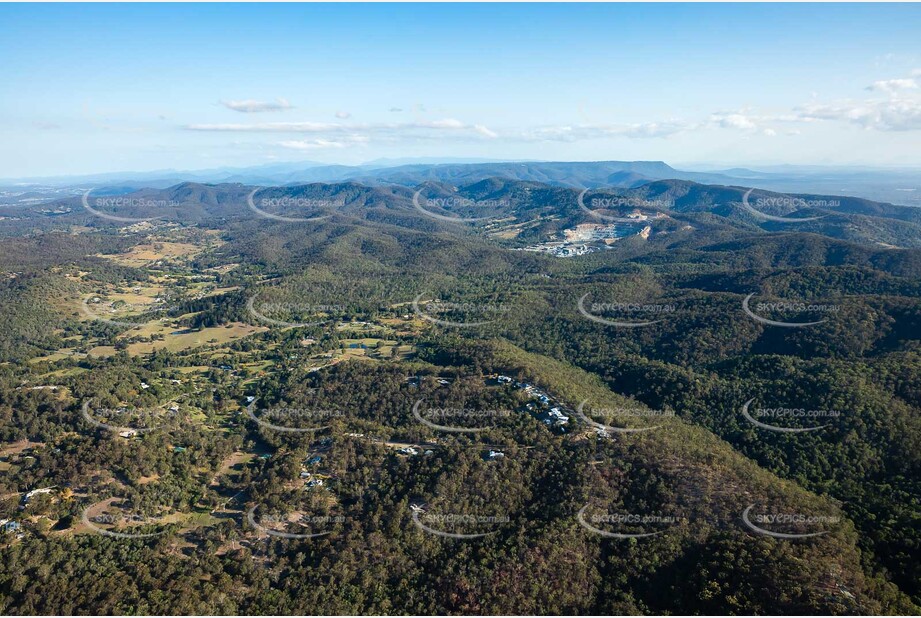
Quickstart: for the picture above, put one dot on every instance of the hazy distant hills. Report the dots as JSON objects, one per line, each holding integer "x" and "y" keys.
{"x": 537, "y": 210}
{"x": 592, "y": 174}
{"x": 898, "y": 186}
{"x": 575, "y": 174}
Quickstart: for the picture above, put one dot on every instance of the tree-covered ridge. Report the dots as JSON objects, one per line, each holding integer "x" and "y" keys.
{"x": 538, "y": 209}
{"x": 219, "y": 384}
{"x": 535, "y": 492}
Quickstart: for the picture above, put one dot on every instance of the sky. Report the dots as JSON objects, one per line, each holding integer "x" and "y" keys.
{"x": 108, "y": 88}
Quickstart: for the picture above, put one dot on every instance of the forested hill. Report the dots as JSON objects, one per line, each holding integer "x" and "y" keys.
{"x": 537, "y": 559}
{"x": 539, "y": 210}
{"x": 503, "y": 397}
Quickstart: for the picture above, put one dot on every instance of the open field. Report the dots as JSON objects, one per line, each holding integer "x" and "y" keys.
{"x": 61, "y": 354}
{"x": 9, "y": 450}
{"x": 182, "y": 340}
{"x": 148, "y": 253}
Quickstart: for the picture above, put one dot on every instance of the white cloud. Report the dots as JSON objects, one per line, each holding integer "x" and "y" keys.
{"x": 894, "y": 86}
{"x": 734, "y": 120}
{"x": 484, "y": 131}
{"x": 250, "y": 106}
{"x": 900, "y": 111}
{"x": 269, "y": 127}
{"x": 450, "y": 127}
{"x": 320, "y": 144}
{"x": 653, "y": 129}
{"x": 446, "y": 123}
{"x": 745, "y": 120}
{"x": 897, "y": 107}
{"x": 445, "y": 126}
{"x": 311, "y": 144}
{"x": 574, "y": 133}
{"x": 890, "y": 115}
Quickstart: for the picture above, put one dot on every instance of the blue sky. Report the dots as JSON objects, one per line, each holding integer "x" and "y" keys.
{"x": 95, "y": 88}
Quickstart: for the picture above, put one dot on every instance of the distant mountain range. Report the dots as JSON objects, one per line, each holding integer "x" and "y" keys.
{"x": 541, "y": 210}
{"x": 898, "y": 186}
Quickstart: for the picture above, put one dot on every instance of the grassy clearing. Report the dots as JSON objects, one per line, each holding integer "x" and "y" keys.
{"x": 176, "y": 341}
{"x": 63, "y": 373}
{"x": 61, "y": 354}
{"x": 374, "y": 348}
{"x": 8, "y": 449}
{"x": 103, "y": 351}
{"x": 194, "y": 369}
{"x": 147, "y": 253}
